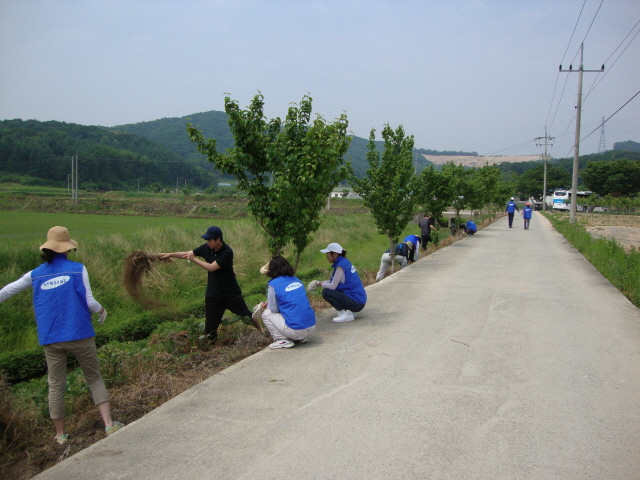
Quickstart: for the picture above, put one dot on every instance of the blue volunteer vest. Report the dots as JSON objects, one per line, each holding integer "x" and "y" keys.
{"x": 471, "y": 226}
{"x": 60, "y": 303}
{"x": 511, "y": 207}
{"x": 527, "y": 212}
{"x": 352, "y": 285}
{"x": 293, "y": 302}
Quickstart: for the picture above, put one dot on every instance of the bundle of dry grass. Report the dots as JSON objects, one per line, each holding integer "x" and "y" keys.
{"x": 137, "y": 266}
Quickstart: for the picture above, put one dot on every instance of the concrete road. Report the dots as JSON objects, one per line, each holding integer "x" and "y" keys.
{"x": 503, "y": 356}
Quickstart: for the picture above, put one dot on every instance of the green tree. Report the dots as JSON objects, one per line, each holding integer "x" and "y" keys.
{"x": 389, "y": 187}
{"x": 287, "y": 169}
{"x": 531, "y": 182}
{"x": 619, "y": 177}
{"x": 435, "y": 191}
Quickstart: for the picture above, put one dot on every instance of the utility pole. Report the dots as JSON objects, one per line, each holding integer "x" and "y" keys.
{"x": 601, "y": 147}
{"x": 545, "y": 159}
{"x": 576, "y": 148}
{"x": 74, "y": 178}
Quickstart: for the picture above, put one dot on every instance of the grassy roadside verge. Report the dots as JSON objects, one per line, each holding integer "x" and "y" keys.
{"x": 620, "y": 267}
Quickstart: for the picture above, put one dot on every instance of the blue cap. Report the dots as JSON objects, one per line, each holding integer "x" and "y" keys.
{"x": 212, "y": 232}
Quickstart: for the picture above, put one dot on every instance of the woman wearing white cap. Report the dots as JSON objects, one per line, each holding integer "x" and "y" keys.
{"x": 63, "y": 304}
{"x": 344, "y": 290}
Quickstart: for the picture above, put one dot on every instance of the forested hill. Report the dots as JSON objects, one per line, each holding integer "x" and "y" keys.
{"x": 108, "y": 160}
{"x": 172, "y": 133}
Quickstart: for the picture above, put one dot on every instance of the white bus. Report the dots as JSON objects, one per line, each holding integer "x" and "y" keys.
{"x": 562, "y": 200}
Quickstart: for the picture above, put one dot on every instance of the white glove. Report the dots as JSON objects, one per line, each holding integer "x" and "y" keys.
{"x": 102, "y": 316}
{"x": 313, "y": 284}
{"x": 256, "y": 314}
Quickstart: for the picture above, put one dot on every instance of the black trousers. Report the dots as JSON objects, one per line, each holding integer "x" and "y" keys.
{"x": 214, "y": 308}
{"x": 425, "y": 239}
{"x": 510, "y": 219}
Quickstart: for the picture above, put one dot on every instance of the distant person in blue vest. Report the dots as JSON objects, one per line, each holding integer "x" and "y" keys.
{"x": 526, "y": 214}
{"x": 344, "y": 290}
{"x": 288, "y": 314}
{"x": 413, "y": 252}
{"x": 401, "y": 256}
{"x": 511, "y": 208}
{"x": 223, "y": 292}
{"x": 470, "y": 227}
{"x": 63, "y": 304}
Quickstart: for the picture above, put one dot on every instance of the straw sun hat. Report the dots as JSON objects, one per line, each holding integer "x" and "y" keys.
{"x": 59, "y": 240}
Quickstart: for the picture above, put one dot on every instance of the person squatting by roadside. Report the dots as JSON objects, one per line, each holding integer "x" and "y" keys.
{"x": 287, "y": 312}
{"x": 426, "y": 226}
{"x": 63, "y": 304}
{"x": 526, "y": 214}
{"x": 223, "y": 292}
{"x": 401, "y": 252}
{"x": 511, "y": 208}
{"x": 413, "y": 252}
{"x": 344, "y": 290}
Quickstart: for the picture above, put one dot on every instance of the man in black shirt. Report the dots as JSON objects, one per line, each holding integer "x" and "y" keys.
{"x": 223, "y": 292}
{"x": 426, "y": 225}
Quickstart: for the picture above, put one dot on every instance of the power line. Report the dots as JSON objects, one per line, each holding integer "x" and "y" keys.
{"x": 594, "y": 19}
{"x": 519, "y": 146}
{"x": 605, "y": 121}
{"x": 614, "y": 62}
{"x": 561, "y": 61}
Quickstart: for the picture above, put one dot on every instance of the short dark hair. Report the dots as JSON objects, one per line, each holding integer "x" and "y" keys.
{"x": 279, "y": 267}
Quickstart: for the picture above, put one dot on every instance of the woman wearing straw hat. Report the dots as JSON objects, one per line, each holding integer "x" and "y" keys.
{"x": 287, "y": 313}
{"x": 63, "y": 305}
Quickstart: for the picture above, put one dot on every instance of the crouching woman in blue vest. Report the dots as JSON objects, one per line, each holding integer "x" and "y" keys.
{"x": 344, "y": 290}
{"x": 288, "y": 314}
{"x": 63, "y": 305}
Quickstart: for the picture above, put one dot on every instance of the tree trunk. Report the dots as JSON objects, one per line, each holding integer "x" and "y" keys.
{"x": 295, "y": 267}
{"x": 393, "y": 255}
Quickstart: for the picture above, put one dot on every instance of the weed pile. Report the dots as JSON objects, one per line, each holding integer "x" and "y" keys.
{"x": 137, "y": 266}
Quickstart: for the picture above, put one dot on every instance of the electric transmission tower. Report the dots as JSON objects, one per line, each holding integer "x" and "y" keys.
{"x": 601, "y": 147}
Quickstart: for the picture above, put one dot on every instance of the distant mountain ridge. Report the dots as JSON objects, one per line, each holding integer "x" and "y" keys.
{"x": 172, "y": 134}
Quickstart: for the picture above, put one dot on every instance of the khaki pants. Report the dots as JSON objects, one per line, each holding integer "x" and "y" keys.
{"x": 280, "y": 331}
{"x": 385, "y": 263}
{"x": 85, "y": 352}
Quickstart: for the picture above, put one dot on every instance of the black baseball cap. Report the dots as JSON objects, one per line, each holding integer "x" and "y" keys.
{"x": 212, "y": 232}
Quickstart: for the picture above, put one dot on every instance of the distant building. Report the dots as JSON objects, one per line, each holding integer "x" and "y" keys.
{"x": 350, "y": 195}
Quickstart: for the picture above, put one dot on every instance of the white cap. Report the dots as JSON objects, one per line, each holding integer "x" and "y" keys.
{"x": 512, "y": 198}
{"x": 333, "y": 247}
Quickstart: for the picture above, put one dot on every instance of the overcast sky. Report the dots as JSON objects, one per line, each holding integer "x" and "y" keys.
{"x": 467, "y": 75}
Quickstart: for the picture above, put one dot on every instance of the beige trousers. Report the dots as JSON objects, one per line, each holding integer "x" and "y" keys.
{"x": 85, "y": 352}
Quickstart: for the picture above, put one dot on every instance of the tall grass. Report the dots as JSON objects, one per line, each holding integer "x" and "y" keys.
{"x": 105, "y": 241}
{"x": 620, "y": 267}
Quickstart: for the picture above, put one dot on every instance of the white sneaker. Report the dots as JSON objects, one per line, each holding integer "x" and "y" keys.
{"x": 346, "y": 317}
{"x": 282, "y": 344}
{"x": 303, "y": 341}
{"x": 340, "y": 315}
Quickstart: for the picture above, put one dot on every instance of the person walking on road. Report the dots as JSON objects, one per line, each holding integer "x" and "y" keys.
{"x": 288, "y": 314}
{"x": 344, "y": 290}
{"x": 223, "y": 292}
{"x": 511, "y": 208}
{"x": 426, "y": 226}
{"x": 401, "y": 254}
{"x": 63, "y": 304}
{"x": 526, "y": 214}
